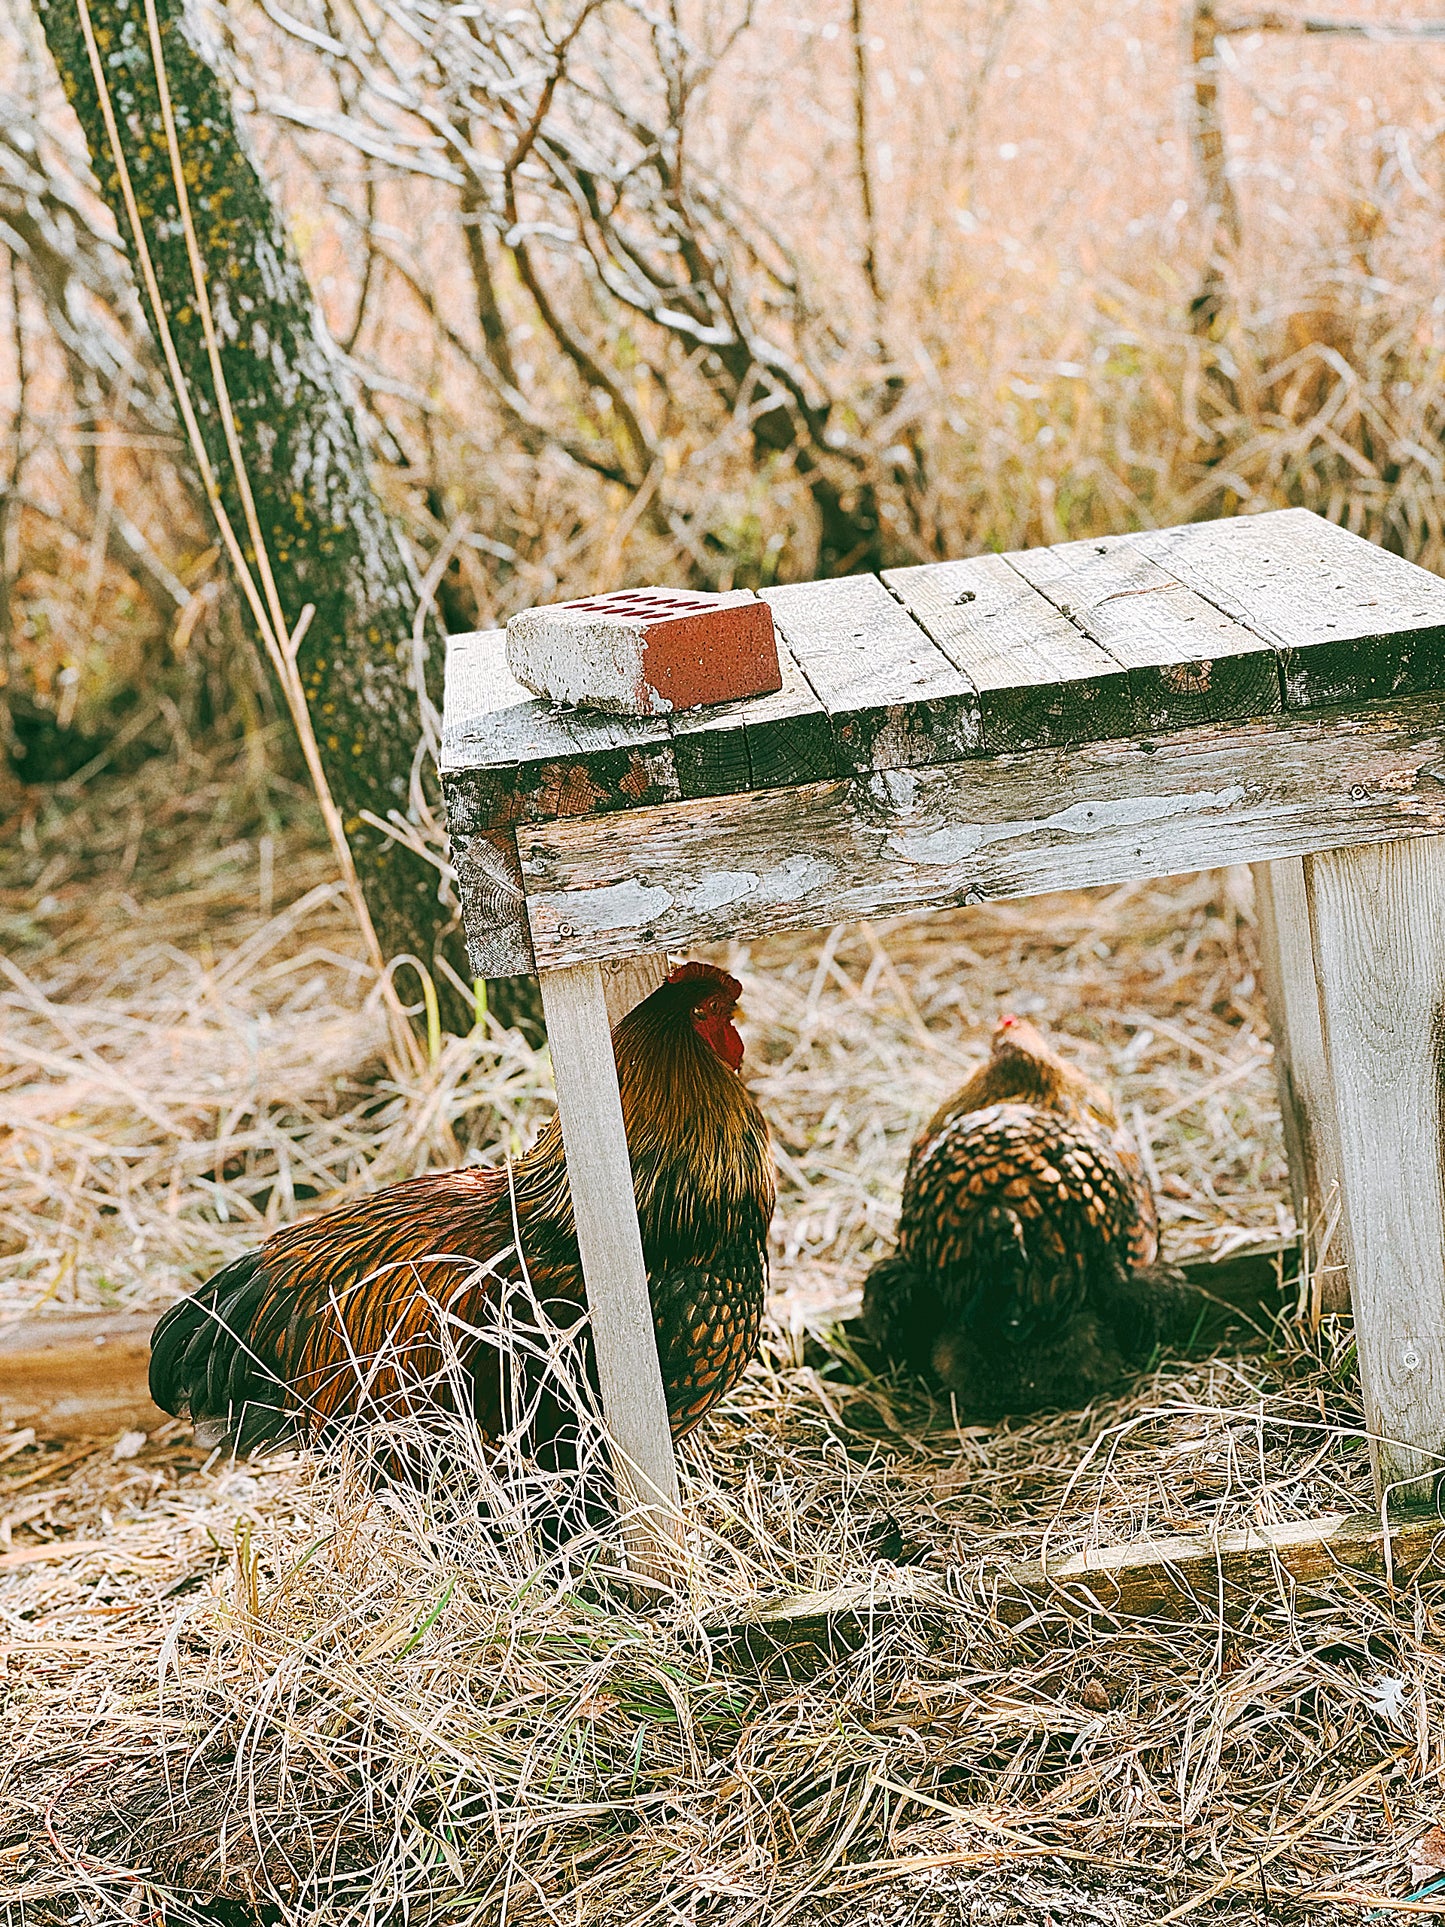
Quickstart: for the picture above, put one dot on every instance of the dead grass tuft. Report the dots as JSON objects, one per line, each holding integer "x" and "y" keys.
{"x": 324, "y": 1699}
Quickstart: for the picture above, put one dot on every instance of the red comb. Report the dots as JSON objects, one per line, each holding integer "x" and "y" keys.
{"x": 712, "y": 973}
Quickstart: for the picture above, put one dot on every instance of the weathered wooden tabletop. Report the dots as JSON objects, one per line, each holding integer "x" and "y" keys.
{"x": 1000, "y": 725}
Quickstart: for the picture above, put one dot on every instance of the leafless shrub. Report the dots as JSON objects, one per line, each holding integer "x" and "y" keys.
{"x": 709, "y": 292}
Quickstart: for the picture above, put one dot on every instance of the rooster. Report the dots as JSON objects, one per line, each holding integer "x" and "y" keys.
{"x": 1026, "y": 1271}
{"x": 341, "y": 1313}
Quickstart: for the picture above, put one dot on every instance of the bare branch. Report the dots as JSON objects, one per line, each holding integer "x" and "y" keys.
{"x": 1335, "y": 24}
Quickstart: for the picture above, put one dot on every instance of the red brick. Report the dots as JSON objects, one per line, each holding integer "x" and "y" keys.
{"x": 647, "y": 652}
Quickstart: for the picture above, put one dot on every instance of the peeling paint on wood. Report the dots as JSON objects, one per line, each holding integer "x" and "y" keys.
{"x": 1014, "y": 826}
{"x": 507, "y": 758}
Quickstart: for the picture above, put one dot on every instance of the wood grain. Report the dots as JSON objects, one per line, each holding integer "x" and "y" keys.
{"x": 759, "y": 743}
{"x": 1187, "y": 661}
{"x": 1378, "y": 921}
{"x": 903, "y": 840}
{"x": 1040, "y": 680}
{"x": 1302, "y": 1072}
{"x": 1179, "y": 1579}
{"x": 79, "y": 1376}
{"x": 599, "y": 1171}
{"x": 789, "y": 736}
{"x": 493, "y": 897}
{"x": 627, "y": 980}
{"x": 710, "y": 751}
{"x": 893, "y": 697}
{"x": 1353, "y": 622}
{"x": 508, "y": 757}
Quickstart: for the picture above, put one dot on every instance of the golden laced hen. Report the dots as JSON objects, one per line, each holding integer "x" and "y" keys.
{"x": 342, "y": 1313}
{"x": 1025, "y": 1274}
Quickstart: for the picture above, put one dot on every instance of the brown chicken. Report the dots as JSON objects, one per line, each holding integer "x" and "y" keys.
{"x": 341, "y": 1313}
{"x": 1026, "y": 1274}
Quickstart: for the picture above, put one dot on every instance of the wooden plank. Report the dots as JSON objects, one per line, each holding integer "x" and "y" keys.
{"x": 494, "y": 907}
{"x": 1041, "y": 681}
{"x": 1378, "y": 920}
{"x": 1187, "y": 661}
{"x": 78, "y": 1376}
{"x": 788, "y": 735}
{"x": 508, "y": 757}
{"x": 1354, "y": 622}
{"x": 1184, "y": 1577}
{"x": 688, "y": 873}
{"x": 1302, "y": 1072}
{"x": 627, "y": 980}
{"x": 710, "y": 750}
{"x": 759, "y": 743}
{"x": 599, "y": 1172}
{"x": 893, "y": 697}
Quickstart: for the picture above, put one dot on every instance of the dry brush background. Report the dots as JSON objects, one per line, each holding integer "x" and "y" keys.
{"x": 269, "y": 1683}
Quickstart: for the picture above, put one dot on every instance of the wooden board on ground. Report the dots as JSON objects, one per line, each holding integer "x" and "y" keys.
{"x": 78, "y": 1376}
{"x": 1182, "y": 1578}
{"x": 908, "y": 839}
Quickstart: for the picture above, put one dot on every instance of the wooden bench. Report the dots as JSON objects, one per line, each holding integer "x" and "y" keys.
{"x": 1265, "y": 690}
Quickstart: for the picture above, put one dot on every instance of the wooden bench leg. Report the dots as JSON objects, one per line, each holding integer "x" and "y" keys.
{"x": 627, "y": 980}
{"x": 600, "y": 1172}
{"x": 1302, "y": 1073}
{"x": 1377, "y": 914}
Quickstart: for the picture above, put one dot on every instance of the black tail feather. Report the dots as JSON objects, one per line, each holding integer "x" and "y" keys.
{"x": 1152, "y": 1308}
{"x": 203, "y": 1365}
{"x": 1010, "y": 1332}
{"x": 901, "y": 1313}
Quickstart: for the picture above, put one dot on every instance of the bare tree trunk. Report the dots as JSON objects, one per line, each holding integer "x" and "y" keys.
{"x": 323, "y": 533}
{"x": 1221, "y": 210}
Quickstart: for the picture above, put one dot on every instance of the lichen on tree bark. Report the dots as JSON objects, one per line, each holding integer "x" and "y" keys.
{"x": 329, "y": 540}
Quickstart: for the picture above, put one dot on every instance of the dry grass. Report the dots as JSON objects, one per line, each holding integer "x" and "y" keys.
{"x": 1033, "y": 345}
{"x": 273, "y": 1682}
{"x": 329, "y": 1701}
